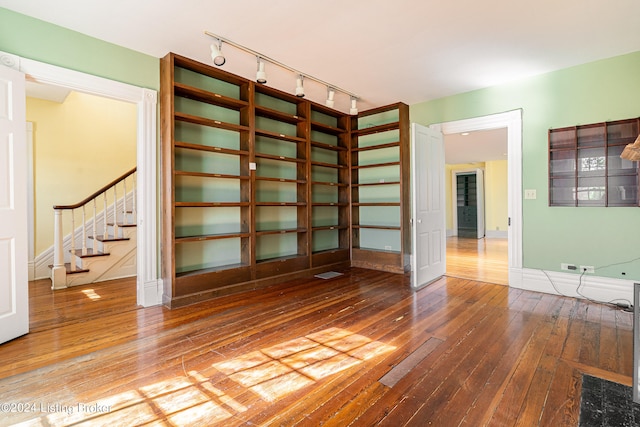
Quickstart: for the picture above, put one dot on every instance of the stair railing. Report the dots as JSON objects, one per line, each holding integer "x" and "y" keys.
{"x": 128, "y": 215}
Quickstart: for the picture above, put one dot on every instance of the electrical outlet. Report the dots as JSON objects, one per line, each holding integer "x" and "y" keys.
{"x": 530, "y": 194}
{"x": 587, "y": 269}
{"x": 387, "y": 248}
{"x": 568, "y": 267}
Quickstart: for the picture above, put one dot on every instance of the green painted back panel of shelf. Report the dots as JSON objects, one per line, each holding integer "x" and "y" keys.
{"x": 379, "y": 138}
{"x": 275, "y": 103}
{"x": 201, "y": 189}
{"x": 271, "y": 125}
{"x": 207, "y": 162}
{"x": 207, "y": 83}
{"x": 387, "y": 216}
{"x": 197, "y": 221}
{"x": 326, "y": 119}
{"x": 381, "y": 174}
{"x": 276, "y": 169}
{"x": 276, "y": 217}
{"x": 382, "y": 155}
{"x": 207, "y": 254}
{"x": 205, "y": 135}
{"x": 325, "y": 239}
{"x": 324, "y": 194}
{"x": 323, "y": 174}
{"x": 273, "y": 191}
{"x": 324, "y": 216}
{"x": 379, "y": 194}
{"x": 209, "y": 111}
{"x": 379, "y": 239}
{"x": 276, "y": 147}
{"x": 378, "y": 119}
{"x": 276, "y": 246}
{"x": 325, "y": 138}
{"x": 324, "y": 156}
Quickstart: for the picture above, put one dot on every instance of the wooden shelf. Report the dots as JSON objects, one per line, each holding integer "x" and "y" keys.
{"x": 329, "y": 184}
{"x": 189, "y": 118}
{"x": 377, "y": 147}
{"x": 278, "y": 115}
{"x": 201, "y": 95}
{"x": 280, "y": 231}
{"x": 280, "y": 136}
{"x": 293, "y": 181}
{"x": 210, "y": 175}
{"x": 328, "y": 165}
{"x": 282, "y": 158}
{"x": 328, "y": 146}
{"x": 376, "y": 165}
{"x": 373, "y": 184}
{"x": 281, "y": 204}
{"x": 321, "y": 127}
{"x": 188, "y": 239}
{"x": 377, "y": 129}
{"x": 377, "y": 227}
{"x": 200, "y": 147}
{"x": 330, "y": 227}
{"x": 210, "y": 204}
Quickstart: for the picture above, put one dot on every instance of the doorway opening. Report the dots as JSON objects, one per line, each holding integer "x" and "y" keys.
{"x": 501, "y": 232}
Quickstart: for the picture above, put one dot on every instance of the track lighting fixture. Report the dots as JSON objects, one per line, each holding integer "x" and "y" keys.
{"x": 261, "y": 75}
{"x": 299, "y": 87}
{"x": 354, "y": 106}
{"x": 330, "y": 93}
{"x": 216, "y": 54}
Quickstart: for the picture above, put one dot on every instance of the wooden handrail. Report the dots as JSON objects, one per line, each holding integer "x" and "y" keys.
{"x": 97, "y": 193}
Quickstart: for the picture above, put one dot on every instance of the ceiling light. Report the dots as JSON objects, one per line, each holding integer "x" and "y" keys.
{"x": 464, "y": 133}
{"x": 216, "y": 54}
{"x": 330, "y": 94}
{"x": 261, "y": 75}
{"x": 354, "y": 107}
{"x": 299, "y": 88}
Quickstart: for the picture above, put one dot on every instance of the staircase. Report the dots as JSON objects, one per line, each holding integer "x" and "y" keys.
{"x": 103, "y": 247}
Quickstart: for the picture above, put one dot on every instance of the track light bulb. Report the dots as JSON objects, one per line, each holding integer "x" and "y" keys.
{"x": 330, "y": 95}
{"x": 354, "y": 107}
{"x": 299, "y": 88}
{"x": 261, "y": 75}
{"x": 216, "y": 54}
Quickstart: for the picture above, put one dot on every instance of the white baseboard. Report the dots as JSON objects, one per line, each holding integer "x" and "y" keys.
{"x": 496, "y": 234}
{"x": 602, "y": 289}
{"x": 151, "y": 293}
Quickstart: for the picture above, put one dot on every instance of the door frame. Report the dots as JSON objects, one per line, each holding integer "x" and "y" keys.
{"x": 148, "y": 284}
{"x": 512, "y": 120}
{"x": 454, "y": 202}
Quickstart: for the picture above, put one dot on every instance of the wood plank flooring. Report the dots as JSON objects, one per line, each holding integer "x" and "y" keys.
{"x": 312, "y": 352}
{"x": 485, "y": 260}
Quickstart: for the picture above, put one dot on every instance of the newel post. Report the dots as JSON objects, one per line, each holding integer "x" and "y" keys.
{"x": 59, "y": 271}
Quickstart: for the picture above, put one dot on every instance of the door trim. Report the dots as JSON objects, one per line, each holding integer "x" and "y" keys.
{"x": 149, "y": 285}
{"x": 512, "y": 120}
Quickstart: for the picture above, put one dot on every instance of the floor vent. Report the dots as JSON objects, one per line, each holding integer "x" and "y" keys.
{"x": 328, "y": 275}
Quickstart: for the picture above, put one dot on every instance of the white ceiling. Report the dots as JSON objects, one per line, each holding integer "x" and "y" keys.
{"x": 384, "y": 51}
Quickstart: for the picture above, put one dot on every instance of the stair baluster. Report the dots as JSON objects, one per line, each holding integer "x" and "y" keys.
{"x": 59, "y": 271}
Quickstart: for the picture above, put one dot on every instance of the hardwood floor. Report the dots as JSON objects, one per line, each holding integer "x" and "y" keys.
{"x": 362, "y": 349}
{"x": 485, "y": 260}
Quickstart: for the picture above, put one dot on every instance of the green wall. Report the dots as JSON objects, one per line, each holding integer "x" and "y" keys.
{"x": 34, "y": 39}
{"x": 596, "y": 92}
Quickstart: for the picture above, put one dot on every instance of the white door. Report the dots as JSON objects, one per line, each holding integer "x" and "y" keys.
{"x": 14, "y": 290}
{"x": 428, "y": 204}
{"x": 480, "y": 202}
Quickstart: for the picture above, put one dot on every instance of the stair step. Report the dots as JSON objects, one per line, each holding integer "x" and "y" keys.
{"x": 109, "y": 238}
{"x": 121, "y": 224}
{"x": 90, "y": 253}
{"x": 68, "y": 268}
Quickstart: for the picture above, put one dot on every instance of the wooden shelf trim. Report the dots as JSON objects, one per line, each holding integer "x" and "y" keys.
{"x": 267, "y": 178}
{"x": 278, "y": 115}
{"x": 282, "y": 158}
{"x": 321, "y": 127}
{"x": 204, "y": 237}
{"x": 211, "y": 204}
{"x": 378, "y": 227}
{"x": 189, "y": 118}
{"x": 329, "y": 204}
{"x": 281, "y": 204}
{"x": 280, "y": 136}
{"x": 376, "y": 165}
{"x": 280, "y": 231}
{"x": 210, "y": 175}
{"x": 377, "y": 204}
{"x": 196, "y": 94}
{"x": 371, "y": 184}
{"x": 198, "y": 67}
{"x": 330, "y": 184}
{"x": 330, "y": 227}
{"x": 328, "y": 165}
{"x": 377, "y": 147}
{"x": 200, "y": 147}
{"x": 376, "y": 129}
{"x": 200, "y": 271}
{"x": 326, "y": 146}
